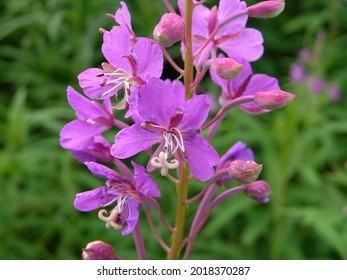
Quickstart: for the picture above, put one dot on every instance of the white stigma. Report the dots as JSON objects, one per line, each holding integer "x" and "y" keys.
{"x": 162, "y": 163}
{"x": 110, "y": 218}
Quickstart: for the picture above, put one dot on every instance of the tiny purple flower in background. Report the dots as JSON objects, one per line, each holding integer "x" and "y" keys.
{"x": 128, "y": 65}
{"x": 245, "y": 84}
{"x": 232, "y": 37}
{"x": 172, "y": 122}
{"x": 92, "y": 119}
{"x": 305, "y": 54}
{"x": 335, "y": 93}
{"x": 317, "y": 84}
{"x": 297, "y": 73}
{"x": 126, "y": 192}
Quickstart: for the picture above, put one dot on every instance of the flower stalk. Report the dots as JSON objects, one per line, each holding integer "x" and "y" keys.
{"x": 182, "y": 193}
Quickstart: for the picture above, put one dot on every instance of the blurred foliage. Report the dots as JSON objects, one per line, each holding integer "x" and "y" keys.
{"x": 45, "y": 44}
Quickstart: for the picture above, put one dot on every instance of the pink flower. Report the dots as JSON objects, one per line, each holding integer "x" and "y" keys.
{"x": 172, "y": 122}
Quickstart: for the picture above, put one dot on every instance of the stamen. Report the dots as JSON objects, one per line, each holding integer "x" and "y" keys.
{"x": 180, "y": 142}
{"x": 110, "y": 219}
{"x": 162, "y": 163}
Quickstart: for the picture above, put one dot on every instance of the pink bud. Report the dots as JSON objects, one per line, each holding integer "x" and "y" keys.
{"x": 266, "y": 9}
{"x": 244, "y": 171}
{"x": 226, "y": 68}
{"x": 258, "y": 190}
{"x": 169, "y": 30}
{"x": 273, "y": 99}
{"x": 98, "y": 250}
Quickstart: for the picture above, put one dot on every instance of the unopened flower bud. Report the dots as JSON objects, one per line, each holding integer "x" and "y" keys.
{"x": 98, "y": 250}
{"x": 169, "y": 30}
{"x": 225, "y": 67}
{"x": 258, "y": 190}
{"x": 244, "y": 171}
{"x": 266, "y": 9}
{"x": 273, "y": 99}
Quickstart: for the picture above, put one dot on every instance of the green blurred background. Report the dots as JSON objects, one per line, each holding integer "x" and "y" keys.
{"x": 46, "y": 44}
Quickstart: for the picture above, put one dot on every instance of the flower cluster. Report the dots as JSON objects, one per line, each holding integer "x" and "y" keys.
{"x": 169, "y": 120}
{"x": 304, "y": 71}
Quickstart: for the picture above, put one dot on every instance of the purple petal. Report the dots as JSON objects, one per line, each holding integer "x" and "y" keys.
{"x": 90, "y": 82}
{"x": 78, "y": 134}
{"x": 87, "y": 110}
{"x": 203, "y": 56}
{"x": 238, "y": 151}
{"x": 123, "y": 17}
{"x": 144, "y": 183}
{"x": 201, "y": 157}
{"x": 100, "y": 170}
{"x": 132, "y": 140}
{"x": 157, "y": 103}
{"x": 117, "y": 44}
{"x": 195, "y": 112}
{"x": 249, "y": 45}
{"x": 133, "y": 216}
{"x": 149, "y": 59}
{"x": 98, "y": 150}
{"x": 201, "y": 15}
{"x": 225, "y": 10}
{"x": 94, "y": 199}
{"x": 177, "y": 87}
{"x": 200, "y": 19}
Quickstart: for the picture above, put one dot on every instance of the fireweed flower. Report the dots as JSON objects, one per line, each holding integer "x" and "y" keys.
{"x": 127, "y": 193}
{"x": 92, "y": 120}
{"x": 172, "y": 122}
{"x": 297, "y": 73}
{"x": 233, "y": 38}
{"x": 127, "y": 66}
{"x": 239, "y": 151}
{"x": 244, "y": 84}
